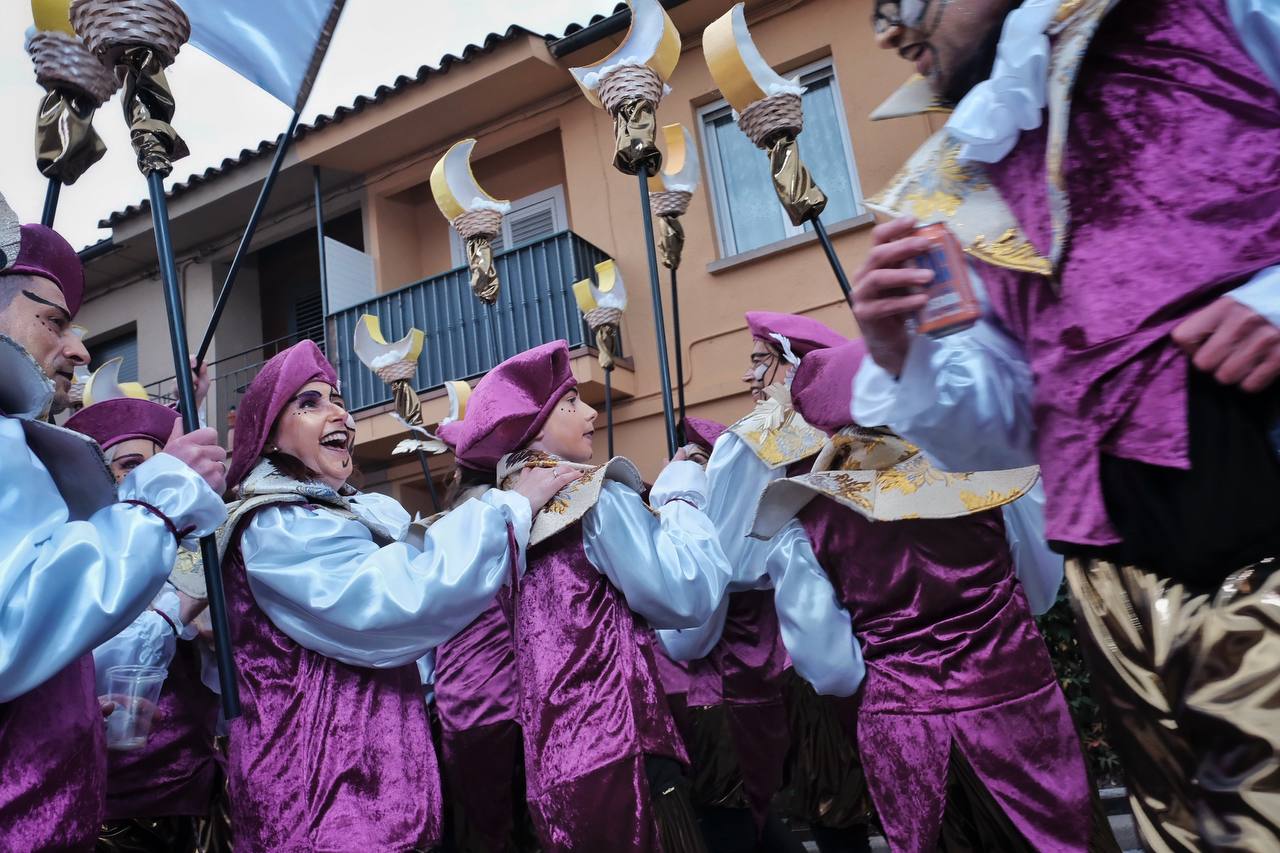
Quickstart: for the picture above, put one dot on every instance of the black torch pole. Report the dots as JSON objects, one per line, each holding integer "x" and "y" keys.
{"x": 268, "y": 184}
{"x": 832, "y": 257}
{"x": 608, "y": 406}
{"x": 51, "y": 202}
{"x": 659, "y": 323}
{"x": 675, "y": 322}
{"x": 191, "y": 422}
{"x": 426, "y": 473}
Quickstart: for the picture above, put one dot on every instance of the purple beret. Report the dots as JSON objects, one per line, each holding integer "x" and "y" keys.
{"x": 271, "y": 390}
{"x": 123, "y": 419}
{"x": 702, "y": 431}
{"x": 804, "y": 333}
{"x": 450, "y": 433}
{"x": 511, "y": 403}
{"x": 45, "y": 253}
{"x": 822, "y": 389}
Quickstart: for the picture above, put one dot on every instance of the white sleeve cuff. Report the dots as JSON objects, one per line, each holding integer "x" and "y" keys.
{"x": 1261, "y": 294}
{"x": 167, "y": 484}
{"x": 879, "y": 399}
{"x": 684, "y": 480}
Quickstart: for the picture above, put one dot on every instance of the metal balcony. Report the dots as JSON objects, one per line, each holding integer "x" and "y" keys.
{"x": 536, "y": 306}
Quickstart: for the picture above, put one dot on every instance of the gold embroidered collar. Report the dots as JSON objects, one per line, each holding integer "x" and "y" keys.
{"x": 935, "y": 186}
{"x": 884, "y": 478}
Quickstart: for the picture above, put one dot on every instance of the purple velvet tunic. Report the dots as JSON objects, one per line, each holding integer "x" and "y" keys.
{"x": 174, "y": 773}
{"x": 476, "y": 700}
{"x": 953, "y": 658}
{"x": 591, "y": 706}
{"x": 53, "y": 764}
{"x": 326, "y": 756}
{"x": 1172, "y": 168}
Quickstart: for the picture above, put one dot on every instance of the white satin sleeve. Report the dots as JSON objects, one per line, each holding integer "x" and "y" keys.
{"x": 736, "y": 478}
{"x": 325, "y": 583}
{"x": 148, "y": 641}
{"x": 685, "y": 644}
{"x": 1258, "y": 24}
{"x": 1262, "y": 292}
{"x": 669, "y": 566}
{"x": 68, "y": 586}
{"x": 965, "y": 400}
{"x": 816, "y": 629}
{"x": 1037, "y": 568}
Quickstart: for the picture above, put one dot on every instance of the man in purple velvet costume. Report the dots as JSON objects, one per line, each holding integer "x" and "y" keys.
{"x": 79, "y": 557}
{"x": 825, "y": 787}
{"x": 602, "y": 755}
{"x": 962, "y": 729}
{"x": 156, "y": 795}
{"x": 1116, "y": 182}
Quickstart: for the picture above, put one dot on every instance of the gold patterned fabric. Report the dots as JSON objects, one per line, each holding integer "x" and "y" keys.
{"x": 936, "y": 186}
{"x": 574, "y": 500}
{"x": 1190, "y": 684}
{"x": 885, "y": 478}
{"x": 776, "y": 433}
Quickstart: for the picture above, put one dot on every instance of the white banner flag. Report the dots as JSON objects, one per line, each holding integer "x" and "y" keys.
{"x": 276, "y": 44}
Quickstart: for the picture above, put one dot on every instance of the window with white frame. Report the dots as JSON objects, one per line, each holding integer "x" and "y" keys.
{"x": 746, "y": 208}
{"x": 531, "y": 218}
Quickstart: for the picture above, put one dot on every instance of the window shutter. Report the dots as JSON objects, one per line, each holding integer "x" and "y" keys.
{"x": 531, "y": 223}
{"x": 121, "y": 346}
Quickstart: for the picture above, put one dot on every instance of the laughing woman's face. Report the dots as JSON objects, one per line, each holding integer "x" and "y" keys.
{"x": 317, "y": 431}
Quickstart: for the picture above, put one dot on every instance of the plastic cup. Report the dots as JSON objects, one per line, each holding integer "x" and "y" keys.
{"x": 135, "y": 690}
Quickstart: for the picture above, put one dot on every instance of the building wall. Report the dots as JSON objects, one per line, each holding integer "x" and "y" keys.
{"x": 714, "y": 292}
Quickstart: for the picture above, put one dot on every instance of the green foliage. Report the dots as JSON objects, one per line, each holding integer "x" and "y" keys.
{"x": 1059, "y": 629}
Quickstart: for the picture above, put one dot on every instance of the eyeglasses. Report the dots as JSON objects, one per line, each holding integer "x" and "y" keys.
{"x": 907, "y": 14}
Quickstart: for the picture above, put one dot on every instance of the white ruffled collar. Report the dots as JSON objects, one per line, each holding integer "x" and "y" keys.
{"x": 988, "y": 120}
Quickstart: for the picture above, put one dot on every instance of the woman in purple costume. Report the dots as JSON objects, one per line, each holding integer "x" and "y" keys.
{"x": 927, "y": 576}
{"x": 156, "y": 795}
{"x": 602, "y": 755}
{"x": 333, "y": 595}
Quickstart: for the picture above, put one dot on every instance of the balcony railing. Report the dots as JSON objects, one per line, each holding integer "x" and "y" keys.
{"x": 536, "y": 306}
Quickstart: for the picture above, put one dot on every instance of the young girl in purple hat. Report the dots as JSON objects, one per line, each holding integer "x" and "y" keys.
{"x": 601, "y": 751}
{"x": 331, "y": 602}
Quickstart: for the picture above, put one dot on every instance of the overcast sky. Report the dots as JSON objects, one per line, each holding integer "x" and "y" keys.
{"x": 220, "y": 113}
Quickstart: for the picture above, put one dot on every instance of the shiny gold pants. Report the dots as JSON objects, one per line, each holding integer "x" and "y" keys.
{"x": 1190, "y": 685}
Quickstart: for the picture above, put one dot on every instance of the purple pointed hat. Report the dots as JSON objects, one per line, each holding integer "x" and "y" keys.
{"x": 803, "y": 334}
{"x": 511, "y": 403}
{"x": 822, "y": 389}
{"x": 702, "y": 431}
{"x": 44, "y": 252}
{"x": 268, "y": 394}
{"x": 123, "y": 419}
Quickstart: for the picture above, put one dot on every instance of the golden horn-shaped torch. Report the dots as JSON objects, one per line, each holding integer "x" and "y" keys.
{"x": 76, "y": 83}
{"x": 768, "y": 108}
{"x": 602, "y": 306}
{"x": 672, "y": 189}
{"x": 629, "y": 84}
{"x": 474, "y": 214}
{"x": 770, "y": 113}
